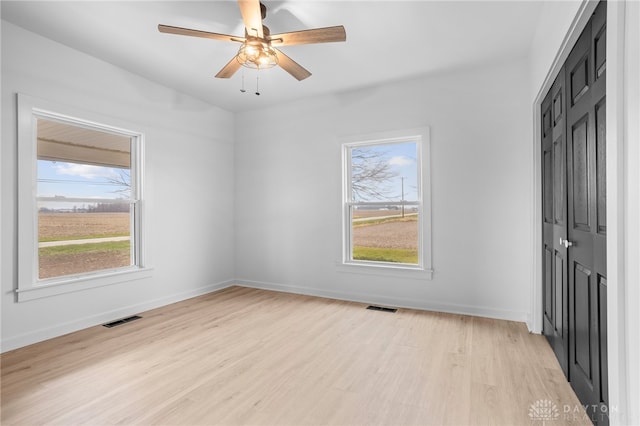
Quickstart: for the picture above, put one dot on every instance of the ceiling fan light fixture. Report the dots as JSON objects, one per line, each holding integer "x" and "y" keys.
{"x": 257, "y": 54}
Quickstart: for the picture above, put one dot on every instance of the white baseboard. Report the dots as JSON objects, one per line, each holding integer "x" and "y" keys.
{"x": 93, "y": 320}
{"x": 104, "y": 317}
{"x": 477, "y": 311}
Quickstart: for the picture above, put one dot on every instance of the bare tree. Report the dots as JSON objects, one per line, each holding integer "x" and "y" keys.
{"x": 122, "y": 181}
{"x": 371, "y": 175}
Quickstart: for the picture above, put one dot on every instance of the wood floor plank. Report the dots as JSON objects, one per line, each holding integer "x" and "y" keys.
{"x": 253, "y": 357}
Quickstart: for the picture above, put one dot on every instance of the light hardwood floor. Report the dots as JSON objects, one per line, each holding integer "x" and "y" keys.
{"x": 246, "y": 356}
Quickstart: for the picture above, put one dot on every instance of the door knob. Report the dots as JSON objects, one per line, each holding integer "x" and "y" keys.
{"x": 565, "y": 243}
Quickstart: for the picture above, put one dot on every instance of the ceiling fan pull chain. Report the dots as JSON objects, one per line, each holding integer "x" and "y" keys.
{"x": 242, "y": 89}
{"x": 258, "y": 83}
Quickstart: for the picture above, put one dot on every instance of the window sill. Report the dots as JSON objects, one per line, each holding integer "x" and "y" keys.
{"x": 82, "y": 282}
{"x": 409, "y": 272}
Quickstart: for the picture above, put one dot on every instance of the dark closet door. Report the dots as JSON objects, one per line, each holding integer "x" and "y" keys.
{"x": 555, "y": 292}
{"x": 586, "y": 154}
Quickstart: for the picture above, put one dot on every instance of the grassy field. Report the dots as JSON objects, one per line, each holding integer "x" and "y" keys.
{"x": 80, "y": 258}
{"x": 357, "y": 213}
{"x": 376, "y": 220}
{"x": 54, "y": 263}
{"x": 378, "y": 254}
{"x": 71, "y": 249}
{"x": 386, "y": 239}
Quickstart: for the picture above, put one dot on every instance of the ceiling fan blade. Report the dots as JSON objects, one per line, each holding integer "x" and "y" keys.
{"x": 291, "y": 66}
{"x": 197, "y": 33}
{"x": 252, "y": 17}
{"x": 229, "y": 69}
{"x": 317, "y": 35}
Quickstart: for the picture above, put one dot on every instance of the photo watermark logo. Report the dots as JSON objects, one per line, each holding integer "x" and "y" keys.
{"x": 543, "y": 410}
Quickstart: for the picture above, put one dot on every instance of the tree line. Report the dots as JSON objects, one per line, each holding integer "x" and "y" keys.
{"x": 92, "y": 208}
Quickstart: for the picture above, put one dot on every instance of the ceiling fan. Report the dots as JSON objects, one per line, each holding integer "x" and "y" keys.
{"x": 257, "y": 49}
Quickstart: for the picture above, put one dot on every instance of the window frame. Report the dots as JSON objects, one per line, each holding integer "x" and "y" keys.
{"x": 29, "y": 285}
{"x": 422, "y": 270}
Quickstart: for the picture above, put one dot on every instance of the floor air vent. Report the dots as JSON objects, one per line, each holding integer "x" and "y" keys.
{"x": 121, "y": 321}
{"x": 381, "y": 308}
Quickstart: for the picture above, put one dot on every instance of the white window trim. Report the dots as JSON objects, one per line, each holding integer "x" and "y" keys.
{"x": 424, "y": 270}
{"x": 28, "y": 286}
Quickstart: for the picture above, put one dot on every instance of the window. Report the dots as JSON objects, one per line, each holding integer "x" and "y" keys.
{"x": 86, "y": 199}
{"x": 79, "y": 201}
{"x": 386, "y": 219}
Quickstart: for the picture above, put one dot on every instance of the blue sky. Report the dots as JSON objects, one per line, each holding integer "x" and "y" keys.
{"x": 60, "y": 179}
{"x": 402, "y": 161}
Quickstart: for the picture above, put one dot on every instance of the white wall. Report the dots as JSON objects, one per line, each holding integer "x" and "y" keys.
{"x": 288, "y": 180}
{"x": 189, "y": 185}
{"x": 554, "y": 23}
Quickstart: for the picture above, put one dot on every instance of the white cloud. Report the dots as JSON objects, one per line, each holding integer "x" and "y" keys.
{"x": 85, "y": 170}
{"x": 401, "y": 160}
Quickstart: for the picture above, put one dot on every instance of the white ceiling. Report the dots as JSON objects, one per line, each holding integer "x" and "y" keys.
{"x": 386, "y": 41}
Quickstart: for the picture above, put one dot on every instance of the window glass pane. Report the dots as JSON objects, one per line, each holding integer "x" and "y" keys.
{"x": 385, "y": 234}
{"x": 84, "y": 238}
{"x": 384, "y": 172}
{"x": 72, "y": 180}
{"x": 75, "y": 162}
{"x": 85, "y": 206}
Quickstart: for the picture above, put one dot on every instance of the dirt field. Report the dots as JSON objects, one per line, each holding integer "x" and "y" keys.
{"x": 60, "y": 226}
{"x": 396, "y": 234}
